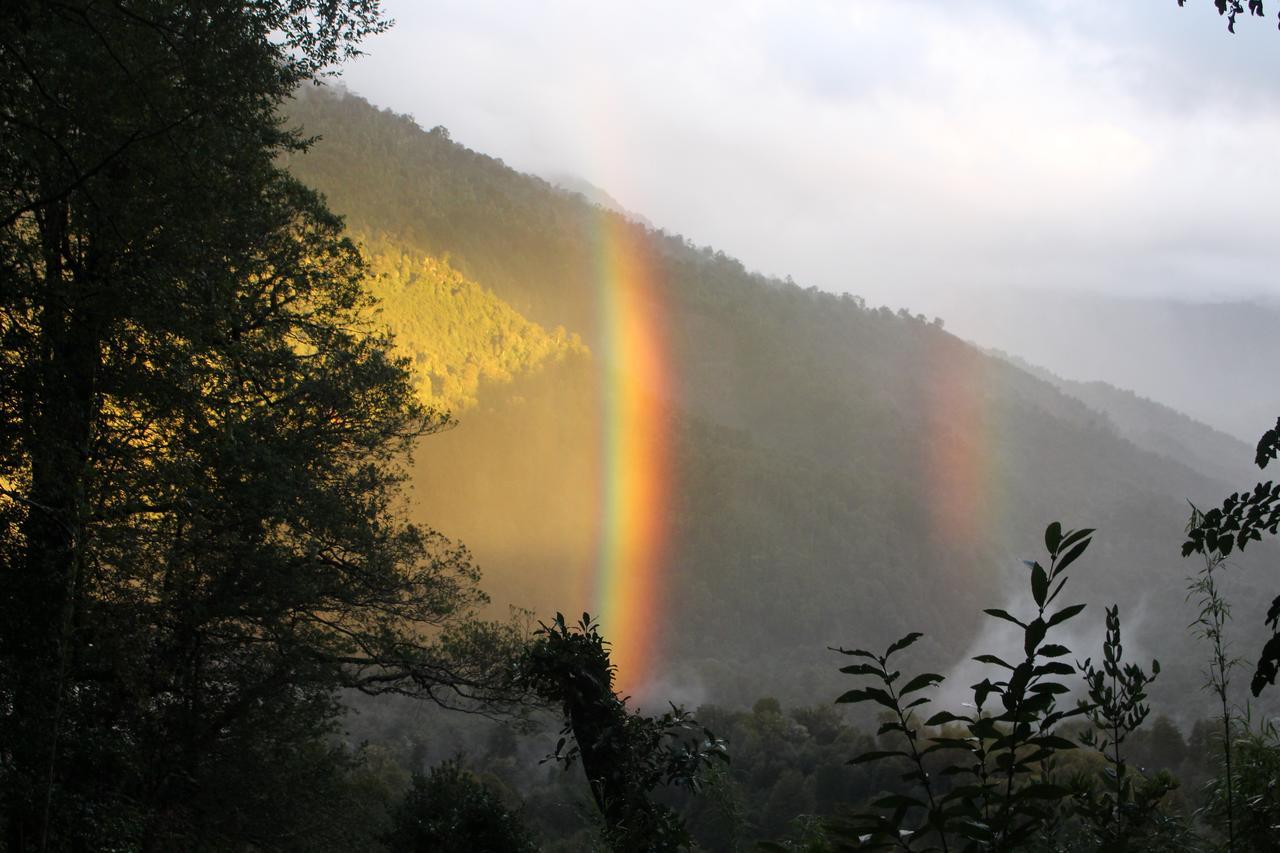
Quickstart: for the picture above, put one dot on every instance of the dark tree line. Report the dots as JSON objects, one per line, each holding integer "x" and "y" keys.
{"x": 201, "y": 437}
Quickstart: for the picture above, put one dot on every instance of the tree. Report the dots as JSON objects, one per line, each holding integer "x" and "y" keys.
{"x": 450, "y": 811}
{"x": 1243, "y": 518}
{"x": 625, "y": 756}
{"x": 1233, "y": 8}
{"x": 201, "y": 436}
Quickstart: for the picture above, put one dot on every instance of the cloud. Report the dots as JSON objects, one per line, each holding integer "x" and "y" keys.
{"x": 883, "y": 147}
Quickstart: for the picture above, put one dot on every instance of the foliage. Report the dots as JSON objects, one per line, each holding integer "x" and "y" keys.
{"x": 625, "y": 755}
{"x": 202, "y": 438}
{"x": 1004, "y": 792}
{"x": 1210, "y": 625}
{"x": 1008, "y": 788}
{"x": 1232, "y": 8}
{"x": 1243, "y": 518}
{"x": 1254, "y": 788}
{"x": 812, "y": 435}
{"x": 1123, "y": 813}
{"x": 455, "y": 333}
{"x": 450, "y": 811}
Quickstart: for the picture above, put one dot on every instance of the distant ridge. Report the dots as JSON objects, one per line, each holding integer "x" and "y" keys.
{"x": 1158, "y": 428}
{"x": 578, "y": 185}
{"x": 1200, "y": 354}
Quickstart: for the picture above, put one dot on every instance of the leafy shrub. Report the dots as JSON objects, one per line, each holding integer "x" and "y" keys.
{"x": 450, "y": 811}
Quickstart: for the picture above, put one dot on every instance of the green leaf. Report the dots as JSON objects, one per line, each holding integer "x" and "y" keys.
{"x": 1053, "y": 537}
{"x": 903, "y": 643}
{"x": 1062, "y": 581}
{"x": 1051, "y": 686}
{"x": 940, "y": 743}
{"x": 1054, "y": 667}
{"x": 1071, "y": 556}
{"x": 985, "y": 727}
{"x": 982, "y": 690}
{"x": 992, "y": 659}
{"x": 1064, "y": 614}
{"x": 852, "y": 696}
{"x": 926, "y": 679}
{"x": 1034, "y": 634}
{"x": 1053, "y": 742}
{"x": 867, "y": 694}
{"x": 1039, "y": 584}
{"x": 862, "y": 669}
{"x": 1074, "y": 537}
{"x": 877, "y": 755}
{"x": 898, "y": 801}
{"x": 1005, "y": 615}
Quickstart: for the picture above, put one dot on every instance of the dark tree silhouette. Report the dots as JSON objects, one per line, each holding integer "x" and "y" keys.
{"x": 202, "y": 434}
{"x": 625, "y": 755}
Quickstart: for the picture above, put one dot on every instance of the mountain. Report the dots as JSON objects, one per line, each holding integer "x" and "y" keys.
{"x": 740, "y": 470}
{"x": 456, "y": 333}
{"x": 1158, "y": 428}
{"x": 578, "y": 185}
{"x": 1209, "y": 357}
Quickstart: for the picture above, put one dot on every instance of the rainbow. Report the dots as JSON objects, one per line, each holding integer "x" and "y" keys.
{"x": 635, "y": 484}
{"x": 964, "y": 491}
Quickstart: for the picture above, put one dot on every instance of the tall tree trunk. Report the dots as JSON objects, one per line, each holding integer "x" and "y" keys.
{"x": 42, "y": 586}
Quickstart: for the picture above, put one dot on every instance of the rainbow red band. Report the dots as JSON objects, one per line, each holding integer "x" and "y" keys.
{"x": 635, "y": 447}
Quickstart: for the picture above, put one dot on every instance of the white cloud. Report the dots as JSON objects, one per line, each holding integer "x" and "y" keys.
{"x": 881, "y": 146}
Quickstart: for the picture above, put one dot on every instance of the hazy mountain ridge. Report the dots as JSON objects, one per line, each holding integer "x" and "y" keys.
{"x": 577, "y": 185}
{"x": 1158, "y": 428}
{"x": 835, "y": 465}
{"x": 1210, "y": 359}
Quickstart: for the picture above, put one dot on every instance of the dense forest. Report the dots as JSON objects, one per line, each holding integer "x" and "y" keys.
{"x": 315, "y": 421}
{"x": 833, "y": 462}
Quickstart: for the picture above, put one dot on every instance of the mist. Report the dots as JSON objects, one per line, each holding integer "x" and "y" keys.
{"x": 466, "y": 431}
{"x": 890, "y": 149}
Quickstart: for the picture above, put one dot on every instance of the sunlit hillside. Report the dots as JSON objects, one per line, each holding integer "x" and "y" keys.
{"x": 829, "y": 465}
{"x": 599, "y": 427}
{"x": 457, "y": 334}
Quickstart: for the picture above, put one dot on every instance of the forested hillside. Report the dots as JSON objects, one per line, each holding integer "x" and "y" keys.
{"x": 456, "y": 333}
{"x": 834, "y": 465}
{"x": 1203, "y": 351}
{"x": 1157, "y": 427}
{"x": 316, "y": 424}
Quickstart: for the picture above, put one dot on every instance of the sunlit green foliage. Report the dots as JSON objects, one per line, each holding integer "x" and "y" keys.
{"x": 455, "y": 333}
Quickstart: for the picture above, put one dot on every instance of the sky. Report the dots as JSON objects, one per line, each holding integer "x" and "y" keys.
{"x": 897, "y": 149}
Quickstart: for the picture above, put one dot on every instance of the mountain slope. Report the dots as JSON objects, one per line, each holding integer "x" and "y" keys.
{"x": 456, "y": 333}
{"x": 1210, "y": 359}
{"x": 1158, "y": 428}
{"x": 838, "y": 473}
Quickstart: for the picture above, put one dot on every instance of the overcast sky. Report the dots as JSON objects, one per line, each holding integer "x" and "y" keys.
{"x": 886, "y": 148}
